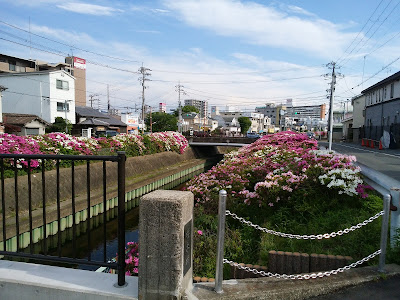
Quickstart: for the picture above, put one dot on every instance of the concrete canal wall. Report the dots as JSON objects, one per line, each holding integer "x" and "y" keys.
{"x": 143, "y": 175}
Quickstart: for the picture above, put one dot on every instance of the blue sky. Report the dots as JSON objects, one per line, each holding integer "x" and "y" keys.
{"x": 229, "y": 52}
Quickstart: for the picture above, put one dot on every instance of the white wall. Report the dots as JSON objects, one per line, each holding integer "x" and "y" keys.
{"x": 59, "y": 95}
{"x": 23, "y": 95}
{"x": 358, "y": 108}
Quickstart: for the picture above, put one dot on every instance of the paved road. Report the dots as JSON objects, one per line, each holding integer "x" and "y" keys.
{"x": 379, "y": 290}
{"x": 385, "y": 161}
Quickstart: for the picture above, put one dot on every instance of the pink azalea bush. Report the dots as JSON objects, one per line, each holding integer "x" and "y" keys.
{"x": 274, "y": 167}
{"x": 132, "y": 259}
{"x": 61, "y": 143}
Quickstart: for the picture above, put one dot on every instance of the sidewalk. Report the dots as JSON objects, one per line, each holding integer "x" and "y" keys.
{"x": 396, "y": 152}
{"x": 287, "y": 289}
{"x": 385, "y": 289}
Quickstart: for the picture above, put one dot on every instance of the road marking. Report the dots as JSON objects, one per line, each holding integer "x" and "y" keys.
{"x": 392, "y": 155}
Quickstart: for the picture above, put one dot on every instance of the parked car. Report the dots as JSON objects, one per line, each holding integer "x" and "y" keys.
{"x": 252, "y": 135}
{"x": 311, "y": 135}
{"x": 107, "y": 133}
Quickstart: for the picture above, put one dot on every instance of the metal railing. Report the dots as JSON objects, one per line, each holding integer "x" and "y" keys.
{"x": 16, "y": 232}
{"x": 222, "y": 212}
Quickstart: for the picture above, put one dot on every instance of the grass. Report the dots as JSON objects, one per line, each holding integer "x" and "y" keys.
{"x": 314, "y": 215}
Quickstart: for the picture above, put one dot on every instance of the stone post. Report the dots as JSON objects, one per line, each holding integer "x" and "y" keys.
{"x": 165, "y": 245}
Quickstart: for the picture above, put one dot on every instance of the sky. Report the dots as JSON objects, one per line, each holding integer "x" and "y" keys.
{"x": 235, "y": 53}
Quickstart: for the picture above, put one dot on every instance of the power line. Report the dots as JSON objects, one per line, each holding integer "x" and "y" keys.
{"x": 384, "y": 20}
{"x": 372, "y": 76}
{"x": 237, "y": 73}
{"x": 251, "y": 98}
{"x": 68, "y": 45}
{"x": 65, "y": 55}
{"x": 87, "y": 91}
{"x": 240, "y": 82}
{"x": 340, "y": 58}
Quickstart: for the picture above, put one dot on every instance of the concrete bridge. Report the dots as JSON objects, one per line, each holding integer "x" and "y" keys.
{"x": 224, "y": 141}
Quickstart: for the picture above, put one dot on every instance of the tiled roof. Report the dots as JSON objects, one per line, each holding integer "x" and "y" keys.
{"x": 21, "y": 119}
{"x": 90, "y": 113}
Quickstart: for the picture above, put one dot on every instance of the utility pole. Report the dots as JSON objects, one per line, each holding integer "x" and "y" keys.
{"x": 179, "y": 89}
{"x": 332, "y": 90}
{"x": 91, "y": 100}
{"x": 145, "y": 72}
{"x": 108, "y": 99}
{"x": 66, "y": 110}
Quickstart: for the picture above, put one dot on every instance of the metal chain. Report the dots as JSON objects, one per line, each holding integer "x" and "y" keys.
{"x": 306, "y": 237}
{"x": 303, "y": 276}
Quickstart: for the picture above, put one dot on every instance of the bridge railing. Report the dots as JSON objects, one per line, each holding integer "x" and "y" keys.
{"x": 222, "y": 213}
{"x": 19, "y": 232}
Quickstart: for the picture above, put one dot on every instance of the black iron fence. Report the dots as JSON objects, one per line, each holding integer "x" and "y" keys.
{"x": 21, "y": 216}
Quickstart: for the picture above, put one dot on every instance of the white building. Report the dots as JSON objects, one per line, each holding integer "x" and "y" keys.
{"x": 259, "y": 123}
{"x": 47, "y": 94}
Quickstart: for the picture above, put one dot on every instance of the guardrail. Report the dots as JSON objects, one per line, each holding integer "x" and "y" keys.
{"x": 40, "y": 160}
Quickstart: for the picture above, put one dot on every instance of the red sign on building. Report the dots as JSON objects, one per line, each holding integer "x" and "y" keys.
{"x": 79, "y": 63}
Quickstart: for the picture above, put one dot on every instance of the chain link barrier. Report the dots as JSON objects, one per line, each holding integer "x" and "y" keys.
{"x": 303, "y": 276}
{"x": 306, "y": 237}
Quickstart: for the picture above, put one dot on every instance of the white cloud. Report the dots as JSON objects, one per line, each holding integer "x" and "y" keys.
{"x": 148, "y": 31}
{"x": 299, "y": 10}
{"x": 263, "y": 25}
{"x": 70, "y": 36}
{"x": 161, "y": 11}
{"x": 34, "y": 3}
{"x": 90, "y": 9}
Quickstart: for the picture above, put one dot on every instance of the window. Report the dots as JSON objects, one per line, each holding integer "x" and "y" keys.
{"x": 391, "y": 90}
{"x": 384, "y": 93}
{"x": 32, "y": 131}
{"x": 62, "y": 85}
{"x": 12, "y": 65}
{"x": 62, "y": 106}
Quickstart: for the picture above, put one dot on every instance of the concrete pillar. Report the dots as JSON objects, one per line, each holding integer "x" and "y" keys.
{"x": 165, "y": 245}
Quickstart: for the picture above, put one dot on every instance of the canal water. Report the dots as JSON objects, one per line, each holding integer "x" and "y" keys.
{"x": 96, "y": 250}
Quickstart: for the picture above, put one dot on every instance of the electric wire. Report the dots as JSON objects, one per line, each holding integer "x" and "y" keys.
{"x": 69, "y": 45}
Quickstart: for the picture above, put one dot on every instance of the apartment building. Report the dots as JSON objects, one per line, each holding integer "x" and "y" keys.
{"x": 74, "y": 65}
{"x": 201, "y": 105}
{"x": 382, "y": 108}
{"x": 46, "y": 94}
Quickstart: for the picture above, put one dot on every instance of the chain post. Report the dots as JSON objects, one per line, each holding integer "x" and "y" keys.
{"x": 220, "y": 247}
{"x": 384, "y": 232}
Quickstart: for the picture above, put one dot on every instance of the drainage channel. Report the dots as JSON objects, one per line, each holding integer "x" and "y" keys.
{"x": 96, "y": 252}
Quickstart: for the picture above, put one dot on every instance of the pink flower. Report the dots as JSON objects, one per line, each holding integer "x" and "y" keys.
{"x": 199, "y": 232}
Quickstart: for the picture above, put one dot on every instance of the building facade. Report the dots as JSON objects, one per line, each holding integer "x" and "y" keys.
{"x": 270, "y": 111}
{"x": 312, "y": 111}
{"x": 73, "y": 65}
{"x": 46, "y": 94}
{"x": 358, "y": 103}
{"x": 382, "y": 108}
{"x": 201, "y": 105}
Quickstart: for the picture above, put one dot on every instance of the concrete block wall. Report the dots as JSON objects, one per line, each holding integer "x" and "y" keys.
{"x": 294, "y": 263}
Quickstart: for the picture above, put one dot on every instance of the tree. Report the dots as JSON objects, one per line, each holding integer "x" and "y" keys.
{"x": 162, "y": 122}
{"x": 59, "y": 125}
{"x": 187, "y": 109}
{"x": 245, "y": 124}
